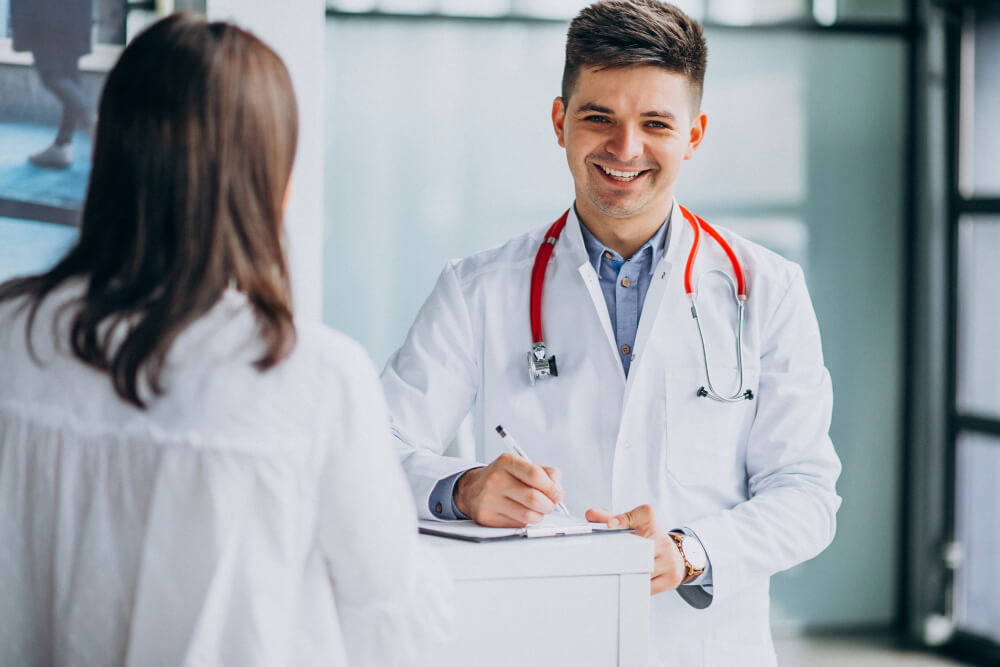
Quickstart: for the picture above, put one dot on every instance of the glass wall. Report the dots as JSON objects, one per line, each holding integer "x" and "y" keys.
{"x": 54, "y": 56}
{"x": 731, "y": 12}
{"x": 976, "y": 410}
{"x": 977, "y": 529}
{"x": 980, "y": 132}
{"x": 439, "y": 144}
{"x": 978, "y": 384}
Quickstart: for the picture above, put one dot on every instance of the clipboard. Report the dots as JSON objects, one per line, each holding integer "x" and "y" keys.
{"x": 552, "y": 526}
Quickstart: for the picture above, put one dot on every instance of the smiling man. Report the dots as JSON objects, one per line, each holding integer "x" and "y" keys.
{"x": 690, "y": 400}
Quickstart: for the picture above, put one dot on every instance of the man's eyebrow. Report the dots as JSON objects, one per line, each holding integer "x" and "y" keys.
{"x": 590, "y": 106}
{"x": 660, "y": 114}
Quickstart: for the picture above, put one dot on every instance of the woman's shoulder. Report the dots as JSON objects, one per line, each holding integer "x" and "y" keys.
{"x": 331, "y": 353}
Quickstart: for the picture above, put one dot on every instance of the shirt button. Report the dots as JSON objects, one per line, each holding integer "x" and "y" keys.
{"x": 607, "y": 254}
{"x": 438, "y": 509}
{"x": 626, "y": 349}
{"x": 626, "y": 282}
{"x": 627, "y": 443}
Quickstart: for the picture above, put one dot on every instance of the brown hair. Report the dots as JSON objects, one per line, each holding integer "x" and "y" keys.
{"x": 196, "y": 138}
{"x": 624, "y": 33}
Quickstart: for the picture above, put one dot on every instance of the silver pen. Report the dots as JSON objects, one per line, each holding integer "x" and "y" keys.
{"x": 509, "y": 439}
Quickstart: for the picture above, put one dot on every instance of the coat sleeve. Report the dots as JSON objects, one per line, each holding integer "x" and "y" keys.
{"x": 791, "y": 466}
{"x": 394, "y": 598}
{"x": 430, "y": 385}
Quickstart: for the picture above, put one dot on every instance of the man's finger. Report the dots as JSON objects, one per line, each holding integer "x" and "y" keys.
{"x": 598, "y": 516}
{"x": 535, "y": 476}
{"x": 553, "y": 474}
{"x": 641, "y": 519}
{"x": 530, "y": 498}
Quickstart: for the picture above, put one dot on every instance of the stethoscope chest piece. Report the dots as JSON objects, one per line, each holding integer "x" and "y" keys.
{"x": 540, "y": 364}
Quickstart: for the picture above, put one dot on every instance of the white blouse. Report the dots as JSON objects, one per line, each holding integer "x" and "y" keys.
{"x": 246, "y": 518}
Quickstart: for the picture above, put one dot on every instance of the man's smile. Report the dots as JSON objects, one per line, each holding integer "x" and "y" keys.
{"x": 620, "y": 175}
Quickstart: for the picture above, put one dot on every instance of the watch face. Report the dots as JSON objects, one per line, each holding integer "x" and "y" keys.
{"x": 694, "y": 553}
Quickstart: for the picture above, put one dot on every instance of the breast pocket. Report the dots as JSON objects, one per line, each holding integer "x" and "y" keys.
{"x": 706, "y": 438}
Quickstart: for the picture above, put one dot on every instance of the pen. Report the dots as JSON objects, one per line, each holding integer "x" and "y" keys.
{"x": 520, "y": 452}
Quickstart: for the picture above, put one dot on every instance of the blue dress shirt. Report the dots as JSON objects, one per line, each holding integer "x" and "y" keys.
{"x": 624, "y": 283}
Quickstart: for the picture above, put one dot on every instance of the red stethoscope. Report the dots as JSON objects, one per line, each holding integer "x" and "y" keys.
{"x": 541, "y": 364}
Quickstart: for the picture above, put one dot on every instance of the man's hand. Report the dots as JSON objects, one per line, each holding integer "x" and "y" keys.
{"x": 668, "y": 564}
{"x": 509, "y": 493}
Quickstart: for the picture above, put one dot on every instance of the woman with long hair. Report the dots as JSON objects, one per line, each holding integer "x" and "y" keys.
{"x": 187, "y": 474}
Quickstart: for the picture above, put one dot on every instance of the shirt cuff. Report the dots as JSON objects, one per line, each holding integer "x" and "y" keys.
{"x": 442, "y": 499}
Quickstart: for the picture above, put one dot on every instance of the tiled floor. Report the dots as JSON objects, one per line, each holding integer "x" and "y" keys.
{"x": 848, "y": 651}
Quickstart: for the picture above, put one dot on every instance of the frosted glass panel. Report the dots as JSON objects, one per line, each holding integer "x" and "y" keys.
{"x": 979, "y": 317}
{"x": 977, "y": 525}
{"x": 981, "y": 100}
{"x": 748, "y": 12}
{"x": 439, "y": 144}
{"x": 867, "y": 10}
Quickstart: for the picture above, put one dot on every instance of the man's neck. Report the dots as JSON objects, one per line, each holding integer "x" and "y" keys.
{"x": 624, "y": 236}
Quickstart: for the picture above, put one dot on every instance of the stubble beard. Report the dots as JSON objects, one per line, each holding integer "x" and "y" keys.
{"x": 617, "y": 207}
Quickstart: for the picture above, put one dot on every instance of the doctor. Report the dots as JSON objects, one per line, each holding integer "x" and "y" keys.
{"x": 731, "y": 492}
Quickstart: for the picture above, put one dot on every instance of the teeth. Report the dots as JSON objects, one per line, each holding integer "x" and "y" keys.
{"x": 620, "y": 175}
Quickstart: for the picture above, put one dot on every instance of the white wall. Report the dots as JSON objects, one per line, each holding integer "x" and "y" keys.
{"x": 295, "y": 29}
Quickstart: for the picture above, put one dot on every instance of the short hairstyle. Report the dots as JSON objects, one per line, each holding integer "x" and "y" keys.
{"x": 196, "y": 137}
{"x": 624, "y": 33}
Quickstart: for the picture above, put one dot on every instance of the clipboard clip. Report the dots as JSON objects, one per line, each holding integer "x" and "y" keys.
{"x": 553, "y": 531}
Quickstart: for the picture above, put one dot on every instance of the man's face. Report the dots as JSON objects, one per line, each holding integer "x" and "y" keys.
{"x": 626, "y": 132}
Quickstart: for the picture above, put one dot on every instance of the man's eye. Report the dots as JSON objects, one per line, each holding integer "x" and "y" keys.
{"x": 657, "y": 125}
{"x": 597, "y": 119}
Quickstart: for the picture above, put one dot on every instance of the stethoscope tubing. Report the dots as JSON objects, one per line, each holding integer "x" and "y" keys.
{"x": 538, "y": 354}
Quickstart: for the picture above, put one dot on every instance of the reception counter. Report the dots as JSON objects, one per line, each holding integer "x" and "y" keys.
{"x": 581, "y": 600}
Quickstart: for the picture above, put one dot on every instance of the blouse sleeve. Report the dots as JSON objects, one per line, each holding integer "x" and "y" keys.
{"x": 393, "y": 596}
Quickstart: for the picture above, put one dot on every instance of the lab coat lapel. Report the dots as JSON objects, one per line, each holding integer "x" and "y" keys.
{"x": 666, "y": 279}
{"x": 574, "y": 247}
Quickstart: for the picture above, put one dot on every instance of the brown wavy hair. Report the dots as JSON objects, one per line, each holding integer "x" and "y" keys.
{"x": 196, "y": 137}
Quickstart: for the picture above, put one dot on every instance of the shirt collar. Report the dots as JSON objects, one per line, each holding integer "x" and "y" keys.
{"x": 596, "y": 249}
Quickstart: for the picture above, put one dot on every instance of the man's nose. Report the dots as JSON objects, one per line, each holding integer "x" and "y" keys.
{"x": 626, "y": 143}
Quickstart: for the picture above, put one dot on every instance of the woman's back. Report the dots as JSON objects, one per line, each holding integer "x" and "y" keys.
{"x": 244, "y": 517}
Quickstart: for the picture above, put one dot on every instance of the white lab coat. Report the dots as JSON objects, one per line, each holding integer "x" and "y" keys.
{"x": 234, "y": 522}
{"x": 754, "y": 480}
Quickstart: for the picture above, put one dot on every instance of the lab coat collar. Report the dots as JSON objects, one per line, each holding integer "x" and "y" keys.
{"x": 571, "y": 240}
{"x": 674, "y": 247}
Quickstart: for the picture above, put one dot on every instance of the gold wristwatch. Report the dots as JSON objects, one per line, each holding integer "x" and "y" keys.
{"x": 695, "y": 559}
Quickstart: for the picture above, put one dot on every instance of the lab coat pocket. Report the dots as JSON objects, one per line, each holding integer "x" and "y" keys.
{"x": 706, "y": 438}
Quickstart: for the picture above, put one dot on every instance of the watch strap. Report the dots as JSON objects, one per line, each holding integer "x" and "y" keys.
{"x": 690, "y": 572}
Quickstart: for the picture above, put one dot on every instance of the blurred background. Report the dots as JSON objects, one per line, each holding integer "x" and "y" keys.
{"x": 857, "y": 137}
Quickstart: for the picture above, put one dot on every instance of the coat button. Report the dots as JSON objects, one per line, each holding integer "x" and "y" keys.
{"x": 626, "y": 282}
{"x": 626, "y": 349}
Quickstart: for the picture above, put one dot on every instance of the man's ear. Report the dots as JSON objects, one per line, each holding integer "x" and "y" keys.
{"x": 559, "y": 120}
{"x": 696, "y": 134}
